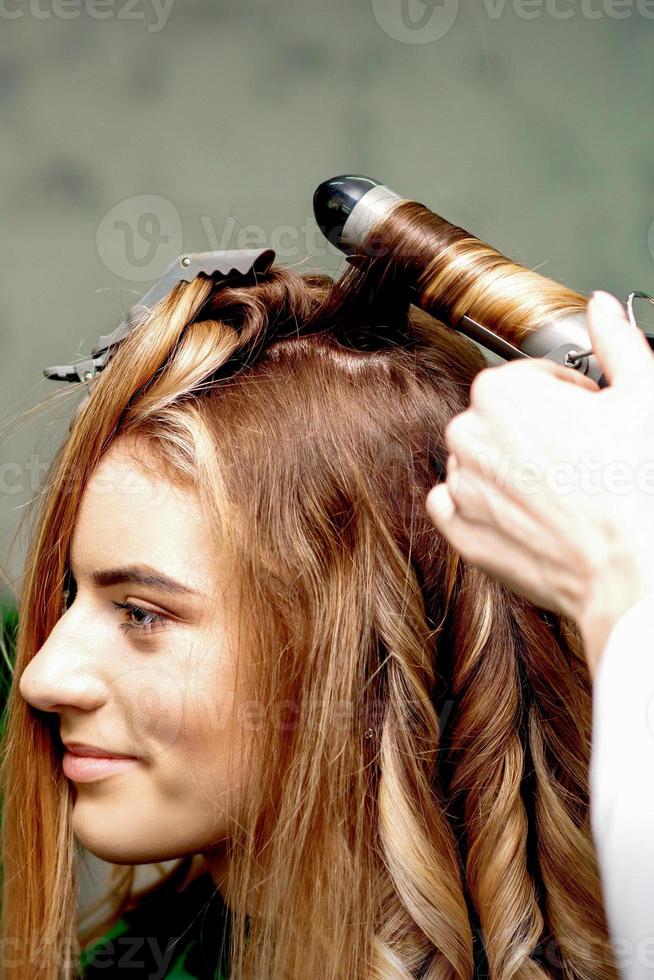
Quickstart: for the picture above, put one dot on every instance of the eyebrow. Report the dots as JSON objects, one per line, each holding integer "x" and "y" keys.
{"x": 142, "y": 575}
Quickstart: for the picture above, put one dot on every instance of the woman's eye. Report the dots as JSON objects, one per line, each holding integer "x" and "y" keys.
{"x": 141, "y": 620}
{"x": 146, "y": 621}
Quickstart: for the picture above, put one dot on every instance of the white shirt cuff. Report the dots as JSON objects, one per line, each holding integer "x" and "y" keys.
{"x": 622, "y": 786}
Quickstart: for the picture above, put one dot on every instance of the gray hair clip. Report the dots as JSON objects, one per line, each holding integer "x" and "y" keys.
{"x": 229, "y": 264}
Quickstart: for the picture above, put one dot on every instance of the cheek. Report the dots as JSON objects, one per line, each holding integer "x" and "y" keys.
{"x": 215, "y": 733}
{"x": 183, "y": 702}
{"x": 147, "y": 712}
{"x": 212, "y": 707}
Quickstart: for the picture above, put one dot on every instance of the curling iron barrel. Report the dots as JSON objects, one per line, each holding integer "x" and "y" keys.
{"x": 362, "y": 216}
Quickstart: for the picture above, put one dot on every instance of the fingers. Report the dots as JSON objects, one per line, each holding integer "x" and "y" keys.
{"x": 440, "y": 505}
{"x": 497, "y": 397}
{"x": 492, "y": 381}
{"x": 620, "y": 347}
{"x": 544, "y": 365}
{"x": 482, "y": 545}
{"x": 477, "y": 499}
{"x": 469, "y": 444}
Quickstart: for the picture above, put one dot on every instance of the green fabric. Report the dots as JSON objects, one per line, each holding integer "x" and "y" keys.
{"x": 181, "y": 936}
{"x": 179, "y": 970}
{"x": 118, "y": 929}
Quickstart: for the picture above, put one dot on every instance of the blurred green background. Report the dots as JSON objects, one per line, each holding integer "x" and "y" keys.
{"x": 132, "y": 131}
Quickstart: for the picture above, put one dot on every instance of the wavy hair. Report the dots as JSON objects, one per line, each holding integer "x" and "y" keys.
{"x": 426, "y": 805}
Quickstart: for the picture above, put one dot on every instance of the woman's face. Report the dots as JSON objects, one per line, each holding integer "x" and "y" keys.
{"x": 165, "y": 690}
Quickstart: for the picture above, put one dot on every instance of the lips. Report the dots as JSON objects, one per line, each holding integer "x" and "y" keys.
{"x": 89, "y": 769}
{"x": 96, "y": 751}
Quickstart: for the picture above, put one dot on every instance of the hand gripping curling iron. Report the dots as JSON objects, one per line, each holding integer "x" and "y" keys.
{"x": 348, "y": 208}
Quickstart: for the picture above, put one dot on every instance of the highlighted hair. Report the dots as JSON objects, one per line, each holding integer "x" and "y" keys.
{"x": 309, "y": 416}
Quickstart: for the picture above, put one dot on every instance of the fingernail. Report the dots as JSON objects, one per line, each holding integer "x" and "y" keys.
{"x": 439, "y": 501}
{"x": 607, "y": 305}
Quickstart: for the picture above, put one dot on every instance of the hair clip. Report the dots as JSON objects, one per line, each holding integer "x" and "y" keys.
{"x": 232, "y": 263}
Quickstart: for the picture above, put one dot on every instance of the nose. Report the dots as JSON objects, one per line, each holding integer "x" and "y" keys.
{"x": 64, "y": 673}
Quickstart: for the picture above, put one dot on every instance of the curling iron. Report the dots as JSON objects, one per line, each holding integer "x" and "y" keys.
{"x": 349, "y": 207}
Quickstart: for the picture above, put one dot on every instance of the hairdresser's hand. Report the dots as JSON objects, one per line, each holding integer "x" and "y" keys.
{"x": 550, "y": 484}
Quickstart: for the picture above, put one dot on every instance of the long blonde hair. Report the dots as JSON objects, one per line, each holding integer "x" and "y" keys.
{"x": 430, "y": 789}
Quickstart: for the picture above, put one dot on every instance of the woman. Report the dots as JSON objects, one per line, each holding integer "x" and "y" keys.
{"x": 378, "y": 754}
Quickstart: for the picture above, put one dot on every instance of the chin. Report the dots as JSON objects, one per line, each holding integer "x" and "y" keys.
{"x": 105, "y": 837}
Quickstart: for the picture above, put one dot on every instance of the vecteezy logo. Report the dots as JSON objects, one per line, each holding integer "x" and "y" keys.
{"x": 415, "y": 21}
{"x": 139, "y": 237}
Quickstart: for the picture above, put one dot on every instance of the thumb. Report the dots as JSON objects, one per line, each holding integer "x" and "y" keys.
{"x": 620, "y": 347}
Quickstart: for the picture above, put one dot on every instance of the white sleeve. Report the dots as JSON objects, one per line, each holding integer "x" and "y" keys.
{"x": 621, "y": 782}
